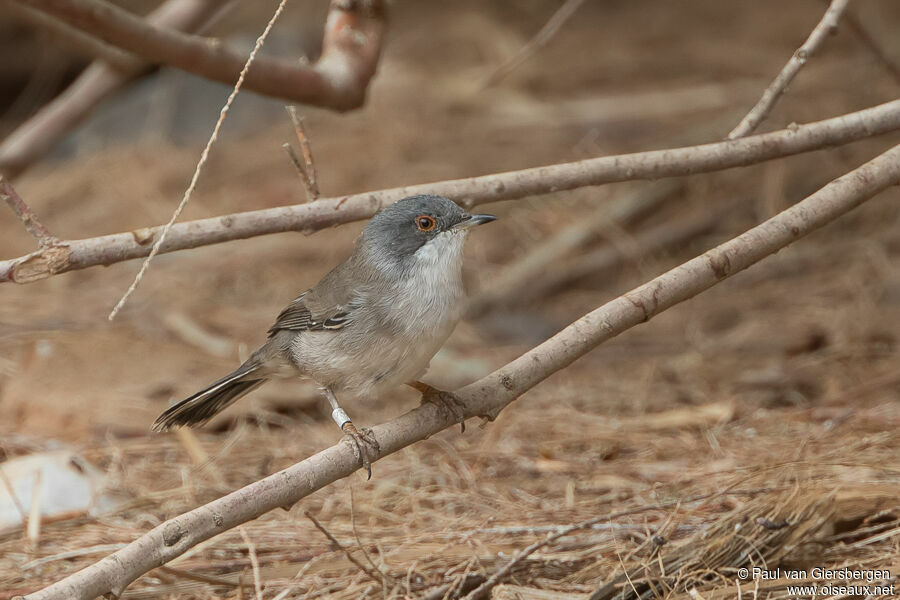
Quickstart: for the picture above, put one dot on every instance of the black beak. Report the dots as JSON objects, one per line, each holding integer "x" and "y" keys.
{"x": 473, "y": 220}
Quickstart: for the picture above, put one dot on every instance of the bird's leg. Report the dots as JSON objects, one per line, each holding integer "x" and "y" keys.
{"x": 445, "y": 400}
{"x": 359, "y": 439}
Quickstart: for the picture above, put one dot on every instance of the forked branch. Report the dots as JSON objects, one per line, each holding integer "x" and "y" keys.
{"x": 490, "y": 394}
{"x": 350, "y": 49}
{"x": 326, "y": 212}
{"x": 779, "y": 85}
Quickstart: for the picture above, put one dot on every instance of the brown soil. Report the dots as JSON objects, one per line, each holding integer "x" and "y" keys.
{"x": 774, "y": 396}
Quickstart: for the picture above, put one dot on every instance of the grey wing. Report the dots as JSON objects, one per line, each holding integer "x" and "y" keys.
{"x": 297, "y": 317}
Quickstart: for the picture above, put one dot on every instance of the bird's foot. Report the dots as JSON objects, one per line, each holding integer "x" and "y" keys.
{"x": 362, "y": 441}
{"x": 446, "y": 400}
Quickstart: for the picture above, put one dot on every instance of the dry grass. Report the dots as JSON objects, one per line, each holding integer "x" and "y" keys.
{"x": 754, "y": 425}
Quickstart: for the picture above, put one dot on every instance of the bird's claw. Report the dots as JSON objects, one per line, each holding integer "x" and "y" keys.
{"x": 449, "y": 402}
{"x": 361, "y": 442}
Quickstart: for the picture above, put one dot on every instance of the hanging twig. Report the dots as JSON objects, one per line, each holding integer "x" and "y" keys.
{"x": 203, "y": 158}
{"x": 827, "y": 25}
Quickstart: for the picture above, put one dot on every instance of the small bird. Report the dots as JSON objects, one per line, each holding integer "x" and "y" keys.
{"x": 374, "y": 322}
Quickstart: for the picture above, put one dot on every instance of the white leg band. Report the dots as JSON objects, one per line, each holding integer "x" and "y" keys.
{"x": 340, "y": 417}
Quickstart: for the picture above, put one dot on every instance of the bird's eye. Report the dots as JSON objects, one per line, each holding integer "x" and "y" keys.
{"x": 425, "y": 223}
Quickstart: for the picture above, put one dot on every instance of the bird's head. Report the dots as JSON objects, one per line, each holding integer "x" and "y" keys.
{"x": 424, "y": 230}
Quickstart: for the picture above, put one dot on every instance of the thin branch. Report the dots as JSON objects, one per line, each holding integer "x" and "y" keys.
{"x": 203, "y": 158}
{"x": 490, "y": 394}
{"x": 372, "y": 575}
{"x": 326, "y": 212}
{"x": 826, "y": 26}
{"x": 338, "y": 80}
{"x": 99, "y": 81}
{"x": 306, "y": 169}
{"x": 298, "y": 166}
{"x": 23, "y": 211}
{"x": 557, "y": 20}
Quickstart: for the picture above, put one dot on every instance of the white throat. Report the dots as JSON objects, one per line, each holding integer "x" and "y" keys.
{"x": 442, "y": 255}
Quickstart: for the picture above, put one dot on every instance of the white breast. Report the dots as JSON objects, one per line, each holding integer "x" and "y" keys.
{"x": 405, "y": 329}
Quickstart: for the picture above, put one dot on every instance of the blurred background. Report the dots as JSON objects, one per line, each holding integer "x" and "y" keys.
{"x": 784, "y": 378}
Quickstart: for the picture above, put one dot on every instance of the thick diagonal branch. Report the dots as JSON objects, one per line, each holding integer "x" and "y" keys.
{"x": 490, "y": 394}
{"x": 338, "y": 80}
{"x": 781, "y": 82}
{"x": 326, "y": 212}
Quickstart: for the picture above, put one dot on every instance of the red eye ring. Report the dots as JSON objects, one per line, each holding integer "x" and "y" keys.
{"x": 425, "y": 223}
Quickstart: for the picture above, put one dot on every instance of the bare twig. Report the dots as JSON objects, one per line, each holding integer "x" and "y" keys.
{"x": 326, "y": 212}
{"x": 338, "y": 80}
{"x": 827, "y": 25}
{"x": 490, "y": 394}
{"x": 306, "y": 169}
{"x": 99, "y": 81}
{"x": 203, "y": 158}
{"x": 295, "y": 160}
{"x": 24, "y": 212}
{"x": 557, "y": 20}
{"x": 372, "y": 574}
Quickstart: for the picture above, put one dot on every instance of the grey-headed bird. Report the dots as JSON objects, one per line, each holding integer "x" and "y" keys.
{"x": 373, "y": 323}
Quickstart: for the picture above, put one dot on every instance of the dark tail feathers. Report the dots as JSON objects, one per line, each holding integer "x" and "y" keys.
{"x": 203, "y": 405}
